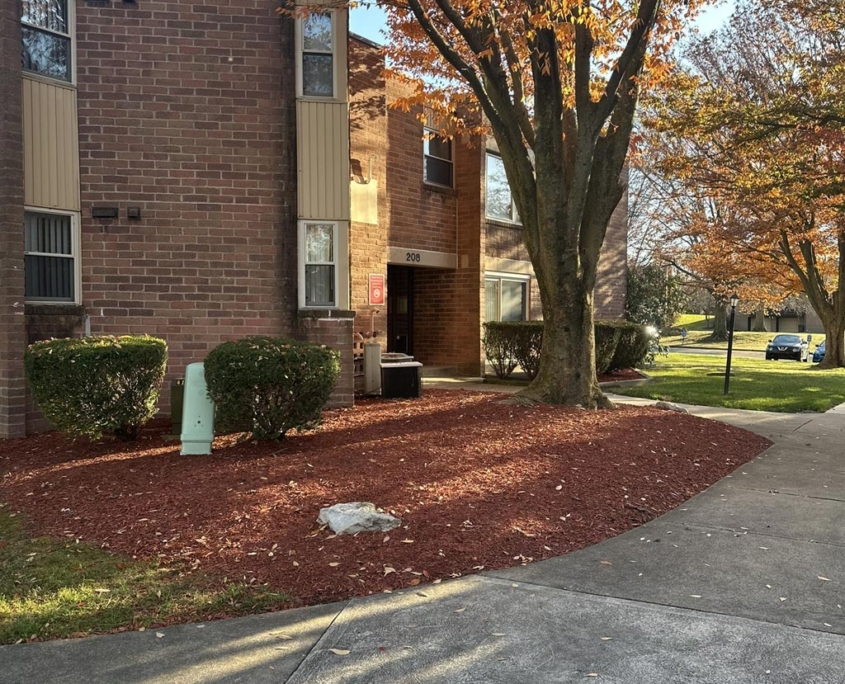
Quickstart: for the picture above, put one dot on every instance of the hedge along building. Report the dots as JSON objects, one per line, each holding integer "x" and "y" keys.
{"x": 434, "y": 218}
{"x": 150, "y": 183}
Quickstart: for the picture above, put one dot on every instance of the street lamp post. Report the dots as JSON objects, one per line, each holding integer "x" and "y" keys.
{"x": 734, "y": 302}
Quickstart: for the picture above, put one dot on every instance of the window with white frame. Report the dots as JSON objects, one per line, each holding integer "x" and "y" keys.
{"x": 317, "y": 50}
{"x": 46, "y": 38}
{"x": 499, "y": 204}
{"x": 320, "y": 248}
{"x": 438, "y": 161}
{"x": 50, "y": 257}
{"x": 506, "y": 298}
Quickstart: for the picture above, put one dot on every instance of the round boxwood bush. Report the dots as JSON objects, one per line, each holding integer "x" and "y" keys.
{"x": 633, "y": 346}
{"x": 267, "y": 386}
{"x": 607, "y": 340}
{"x": 95, "y": 385}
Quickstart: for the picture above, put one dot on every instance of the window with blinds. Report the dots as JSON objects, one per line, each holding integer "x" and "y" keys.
{"x": 49, "y": 257}
{"x": 320, "y": 262}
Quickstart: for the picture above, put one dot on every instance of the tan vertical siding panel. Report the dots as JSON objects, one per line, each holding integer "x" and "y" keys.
{"x": 47, "y": 105}
{"x": 343, "y": 166}
{"x": 28, "y": 164}
{"x": 326, "y": 138}
{"x": 63, "y": 194}
{"x": 323, "y": 151}
{"x": 51, "y": 146}
{"x": 300, "y": 159}
{"x": 74, "y": 162}
{"x": 318, "y": 180}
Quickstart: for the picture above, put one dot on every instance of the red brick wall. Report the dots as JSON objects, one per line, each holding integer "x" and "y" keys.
{"x": 187, "y": 111}
{"x": 612, "y": 278}
{"x": 449, "y": 311}
{"x": 12, "y": 326}
{"x": 333, "y": 329}
{"x": 412, "y": 215}
{"x": 369, "y": 151}
{"x": 505, "y": 241}
{"x": 421, "y": 216}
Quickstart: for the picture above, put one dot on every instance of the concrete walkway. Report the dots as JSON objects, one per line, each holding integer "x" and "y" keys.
{"x": 744, "y": 583}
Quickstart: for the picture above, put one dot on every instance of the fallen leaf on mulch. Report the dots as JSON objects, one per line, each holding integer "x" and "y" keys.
{"x": 462, "y": 470}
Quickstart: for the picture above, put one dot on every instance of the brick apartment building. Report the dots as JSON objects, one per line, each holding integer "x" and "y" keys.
{"x": 150, "y": 178}
{"x": 183, "y": 170}
{"x": 436, "y": 218}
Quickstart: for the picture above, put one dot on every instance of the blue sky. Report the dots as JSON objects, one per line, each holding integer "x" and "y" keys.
{"x": 369, "y": 22}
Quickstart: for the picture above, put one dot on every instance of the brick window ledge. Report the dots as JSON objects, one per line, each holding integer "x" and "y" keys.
{"x": 54, "y": 310}
{"x": 440, "y": 189}
{"x": 325, "y": 313}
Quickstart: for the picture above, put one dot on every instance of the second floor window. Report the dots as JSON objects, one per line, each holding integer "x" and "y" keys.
{"x": 499, "y": 204}
{"x": 438, "y": 161}
{"x": 317, "y": 56}
{"x": 46, "y": 42}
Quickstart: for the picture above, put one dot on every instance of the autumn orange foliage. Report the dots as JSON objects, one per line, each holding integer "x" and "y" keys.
{"x": 755, "y": 121}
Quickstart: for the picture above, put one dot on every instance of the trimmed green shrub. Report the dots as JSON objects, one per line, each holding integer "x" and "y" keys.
{"x": 528, "y": 341}
{"x": 267, "y": 386}
{"x": 619, "y": 344}
{"x": 633, "y": 346}
{"x": 500, "y": 347}
{"x": 607, "y": 339}
{"x": 96, "y": 385}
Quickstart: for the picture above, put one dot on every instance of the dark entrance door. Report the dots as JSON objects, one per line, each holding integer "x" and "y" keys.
{"x": 400, "y": 309}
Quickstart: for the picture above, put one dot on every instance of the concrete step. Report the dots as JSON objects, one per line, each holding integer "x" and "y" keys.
{"x": 439, "y": 371}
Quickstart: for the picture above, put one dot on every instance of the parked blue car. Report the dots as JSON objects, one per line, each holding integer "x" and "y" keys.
{"x": 818, "y": 355}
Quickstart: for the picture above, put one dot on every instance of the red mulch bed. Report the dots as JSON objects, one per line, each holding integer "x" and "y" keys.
{"x": 477, "y": 483}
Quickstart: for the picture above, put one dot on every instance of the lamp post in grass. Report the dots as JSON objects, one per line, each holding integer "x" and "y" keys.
{"x": 734, "y": 302}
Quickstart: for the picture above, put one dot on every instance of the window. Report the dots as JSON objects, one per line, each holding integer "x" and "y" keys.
{"x": 45, "y": 30}
{"x": 320, "y": 244}
{"x": 438, "y": 159}
{"x": 317, "y": 56}
{"x": 499, "y": 203}
{"x": 506, "y": 299}
{"x": 50, "y": 257}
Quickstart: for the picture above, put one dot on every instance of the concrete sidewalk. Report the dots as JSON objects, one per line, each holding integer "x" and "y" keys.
{"x": 743, "y": 583}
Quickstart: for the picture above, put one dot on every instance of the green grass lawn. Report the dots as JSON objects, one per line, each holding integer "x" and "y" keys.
{"x": 784, "y": 386}
{"x": 56, "y": 588}
{"x": 698, "y": 335}
{"x": 692, "y": 322}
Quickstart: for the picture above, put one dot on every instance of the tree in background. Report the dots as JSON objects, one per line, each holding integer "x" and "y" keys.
{"x": 758, "y": 126}
{"x": 684, "y": 228}
{"x": 556, "y": 83}
{"x": 655, "y": 296}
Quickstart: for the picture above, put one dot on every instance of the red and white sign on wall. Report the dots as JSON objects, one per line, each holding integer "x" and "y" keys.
{"x": 376, "y": 288}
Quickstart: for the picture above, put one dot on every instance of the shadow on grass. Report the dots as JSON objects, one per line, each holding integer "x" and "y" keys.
{"x": 55, "y": 588}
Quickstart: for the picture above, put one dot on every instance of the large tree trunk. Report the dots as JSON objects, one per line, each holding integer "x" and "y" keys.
{"x": 567, "y": 372}
{"x": 567, "y": 189}
{"x": 720, "y": 321}
{"x": 834, "y": 346}
{"x": 760, "y": 320}
{"x": 829, "y": 305}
